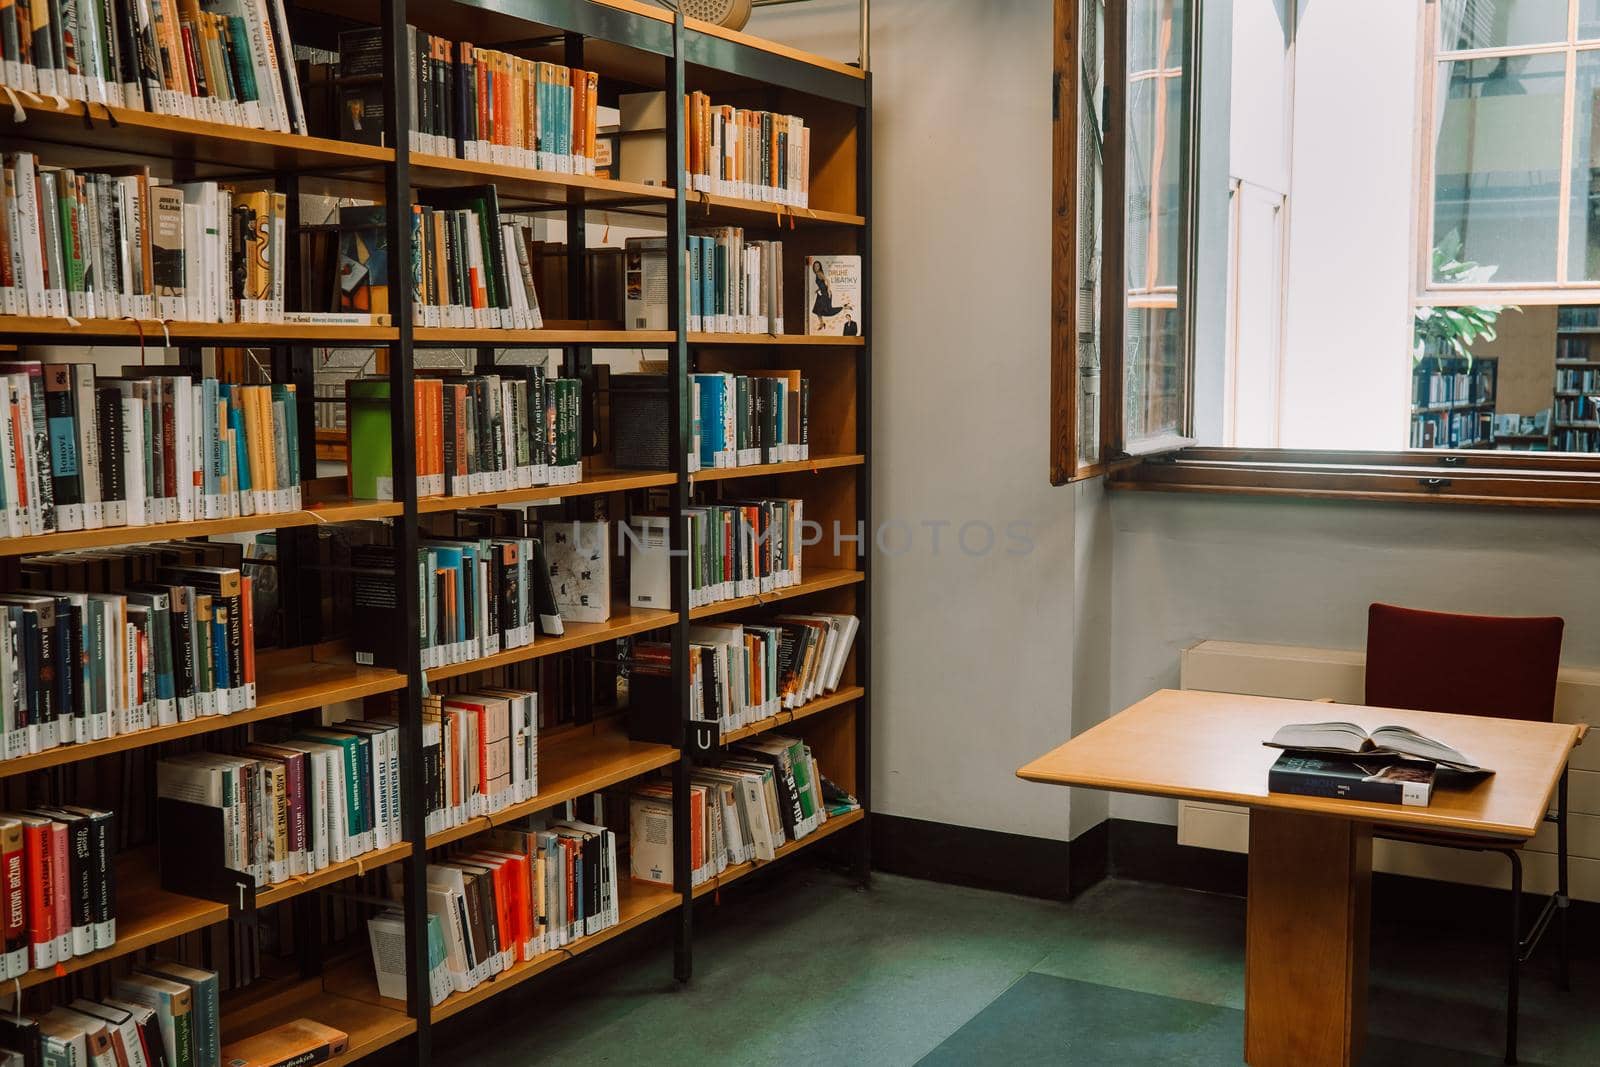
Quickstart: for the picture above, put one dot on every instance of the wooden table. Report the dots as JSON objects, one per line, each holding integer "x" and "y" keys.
{"x": 1310, "y": 878}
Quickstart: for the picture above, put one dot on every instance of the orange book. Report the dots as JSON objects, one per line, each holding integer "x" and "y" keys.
{"x": 295, "y": 1042}
{"x": 591, "y": 116}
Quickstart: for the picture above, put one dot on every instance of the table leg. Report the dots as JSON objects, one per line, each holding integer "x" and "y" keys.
{"x": 1306, "y": 940}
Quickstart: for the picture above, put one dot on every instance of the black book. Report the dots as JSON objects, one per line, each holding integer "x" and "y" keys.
{"x": 483, "y": 883}
{"x": 361, "y": 53}
{"x": 508, "y": 585}
{"x": 466, "y": 109}
{"x": 66, "y": 466}
{"x": 38, "y": 640}
{"x": 375, "y": 607}
{"x": 544, "y": 593}
{"x": 182, "y": 635}
{"x": 1385, "y": 779}
{"x": 424, "y": 82}
{"x": 20, "y": 1034}
{"x": 102, "y": 873}
{"x": 108, "y": 418}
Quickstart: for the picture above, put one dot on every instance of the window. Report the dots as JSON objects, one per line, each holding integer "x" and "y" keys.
{"x": 1351, "y": 243}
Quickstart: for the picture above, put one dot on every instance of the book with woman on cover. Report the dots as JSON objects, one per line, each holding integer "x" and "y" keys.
{"x": 1348, "y": 739}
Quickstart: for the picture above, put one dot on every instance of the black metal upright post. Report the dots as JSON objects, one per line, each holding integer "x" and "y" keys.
{"x": 863, "y": 855}
{"x": 397, "y": 111}
{"x": 678, "y": 433}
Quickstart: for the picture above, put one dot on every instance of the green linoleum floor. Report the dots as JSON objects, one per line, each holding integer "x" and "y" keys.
{"x": 805, "y": 968}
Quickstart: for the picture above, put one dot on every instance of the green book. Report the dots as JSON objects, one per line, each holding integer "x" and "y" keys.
{"x": 205, "y": 1007}
{"x": 355, "y": 805}
{"x": 173, "y": 1004}
{"x": 802, "y": 777}
{"x": 371, "y": 439}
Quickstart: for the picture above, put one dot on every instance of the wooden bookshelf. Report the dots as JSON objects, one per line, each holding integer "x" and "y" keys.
{"x": 640, "y": 902}
{"x": 763, "y": 340}
{"x": 843, "y": 695}
{"x": 624, "y": 622}
{"x": 739, "y": 870}
{"x": 318, "y": 513}
{"x": 811, "y": 581}
{"x": 758, "y": 470}
{"x": 344, "y": 998}
{"x": 582, "y": 761}
{"x": 287, "y": 681}
{"x": 112, "y": 134}
{"x": 128, "y": 331}
{"x": 148, "y": 915}
{"x": 633, "y": 45}
{"x": 594, "y": 482}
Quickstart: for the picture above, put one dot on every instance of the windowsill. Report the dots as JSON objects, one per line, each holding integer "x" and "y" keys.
{"x": 1474, "y": 479}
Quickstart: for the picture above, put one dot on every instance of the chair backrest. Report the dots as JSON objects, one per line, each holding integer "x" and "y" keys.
{"x": 1462, "y": 664}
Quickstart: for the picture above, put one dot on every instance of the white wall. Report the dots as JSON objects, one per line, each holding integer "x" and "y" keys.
{"x": 1187, "y": 568}
{"x": 1348, "y": 319}
{"x": 973, "y": 656}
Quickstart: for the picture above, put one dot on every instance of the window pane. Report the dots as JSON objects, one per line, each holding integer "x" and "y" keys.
{"x": 1155, "y": 386}
{"x": 1583, "y": 213}
{"x": 1144, "y": 33}
{"x": 1497, "y": 23}
{"x": 1090, "y": 173}
{"x": 1497, "y": 169}
{"x": 1588, "y": 20}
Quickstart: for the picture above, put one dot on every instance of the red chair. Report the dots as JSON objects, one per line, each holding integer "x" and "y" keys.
{"x": 1477, "y": 665}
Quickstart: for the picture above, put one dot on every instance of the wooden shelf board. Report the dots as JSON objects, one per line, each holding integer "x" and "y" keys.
{"x": 640, "y": 902}
{"x": 235, "y": 333}
{"x": 594, "y": 482}
{"x": 440, "y": 335}
{"x": 845, "y": 695}
{"x": 148, "y": 915}
{"x": 703, "y": 206}
{"x": 624, "y": 623}
{"x": 579, "y": 763}
{"x": 798, "y": 340}
{"x": 316, "y": 513}
{"x": 220, "y": 148}
{"x": 813, "y": 582}
{"x": 521, "y": 184}
{"x": 342, "y": 998}
{"x": 1439, "y": 409}
{"x": 287, "y": 681}
{"x": 800, "y": 466}
{"x": 738, "y": 871}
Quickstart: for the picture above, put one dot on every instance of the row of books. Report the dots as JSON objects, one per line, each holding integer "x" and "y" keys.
{"x": 1577, "y": 316}
{"x": 60, "y": 886}
{"x": 734, "y": 285}
{"x": 163, "y": 1013}
{"x": 114, "y": 242}
{"x": 1451, "y": 429}
{"x": 474, "y": 103}
{"x": 768, "y": 792}
{"x": 743, "y": 420}
{"x": 82, "y": 453}
{"x": 736, "y": 549}
{"x": 294, "y": 805}
{"x": 1582, "y": 408}
{"x": 479, "y": 433}
{"x": 228, "y": 61}
{"x": 510, "y": 896}
{"x": 1575, "y": 380}
{"x": 746, "y": 672}
{"x": 1572, "y": 349}
{"x": 480, "y": 754}
{"x": 111, "y": 642}
{"x": 752, "y": 155}
{"x": 1454, "y": 385}
{"x": 1575, "y": 440}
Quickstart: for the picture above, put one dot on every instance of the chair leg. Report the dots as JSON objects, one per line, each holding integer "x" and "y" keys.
{"x": 1513, "y": 951}
{"x": 1563, "y": 903}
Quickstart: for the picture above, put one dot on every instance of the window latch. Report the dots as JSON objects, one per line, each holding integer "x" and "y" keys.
{"x": 1433, "y": 485}
{"x": 1452, "y": 461}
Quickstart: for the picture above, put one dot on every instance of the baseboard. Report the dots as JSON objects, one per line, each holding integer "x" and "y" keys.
{"x": 988, "y": 859}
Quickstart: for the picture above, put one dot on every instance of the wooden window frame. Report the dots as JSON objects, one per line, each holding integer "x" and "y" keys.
{"x": 1463, "y": 478}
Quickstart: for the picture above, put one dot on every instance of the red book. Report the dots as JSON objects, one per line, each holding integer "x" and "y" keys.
{"x": 247, "y": 623}
{"x": 39, "y": 889}
{"x": 61, "y": 889}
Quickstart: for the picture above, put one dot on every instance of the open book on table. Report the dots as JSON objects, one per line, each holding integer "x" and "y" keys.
{"x": 1348, "y": 739}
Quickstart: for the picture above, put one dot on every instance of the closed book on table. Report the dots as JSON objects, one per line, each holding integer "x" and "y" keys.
{"x": 1385, "y": 780}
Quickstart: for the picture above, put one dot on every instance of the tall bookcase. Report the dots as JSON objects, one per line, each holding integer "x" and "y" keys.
{"x": 633, "y": 46}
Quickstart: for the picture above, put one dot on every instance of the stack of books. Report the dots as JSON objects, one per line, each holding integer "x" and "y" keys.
{"x": 1391, "y": 765}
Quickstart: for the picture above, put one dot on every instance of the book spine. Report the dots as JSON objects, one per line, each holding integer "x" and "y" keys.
{"x": 1309, "y": 784}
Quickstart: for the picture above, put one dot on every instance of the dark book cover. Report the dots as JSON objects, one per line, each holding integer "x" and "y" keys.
{"x": 375, "y": 607}
{"x": 1386, "y": 780}
{"x": 108, "y": 414}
